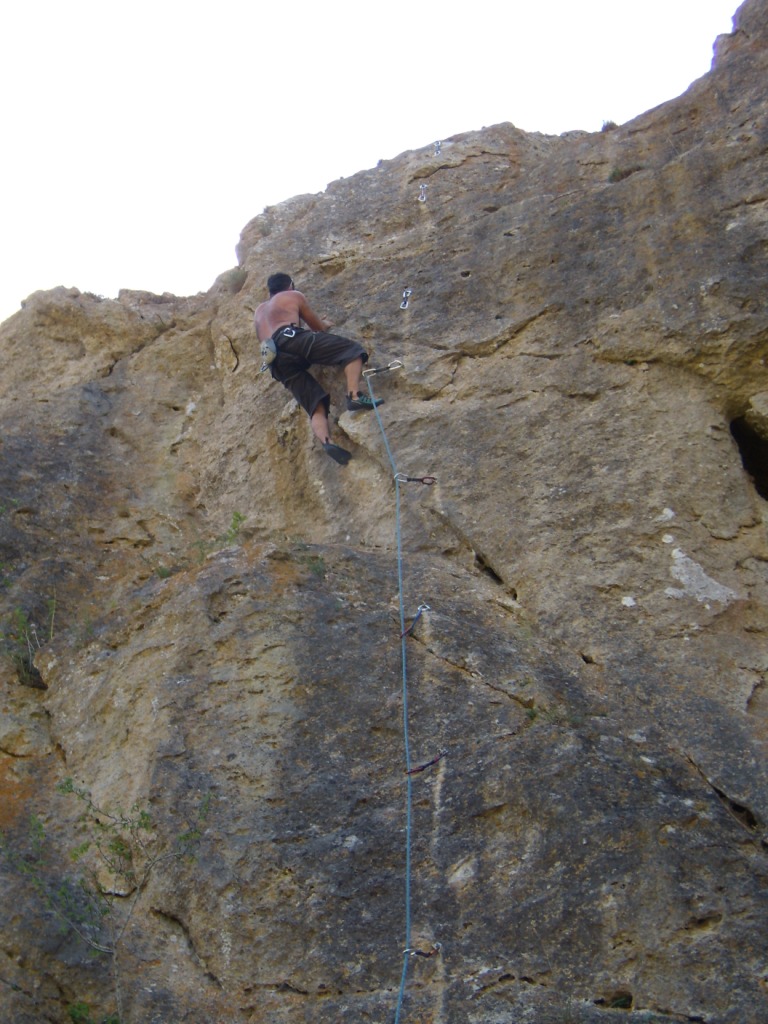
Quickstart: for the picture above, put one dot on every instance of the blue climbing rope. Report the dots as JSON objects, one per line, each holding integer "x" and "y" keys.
{"x": 406, "y": 743}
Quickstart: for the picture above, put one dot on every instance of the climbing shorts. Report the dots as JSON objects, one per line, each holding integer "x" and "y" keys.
{"x": 296, "y": 354}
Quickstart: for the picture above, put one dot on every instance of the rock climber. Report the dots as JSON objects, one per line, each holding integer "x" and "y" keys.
{"x": 282, "y": 318}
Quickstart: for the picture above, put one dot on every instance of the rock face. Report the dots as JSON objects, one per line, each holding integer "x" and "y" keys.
{"x": 201, "y": 612}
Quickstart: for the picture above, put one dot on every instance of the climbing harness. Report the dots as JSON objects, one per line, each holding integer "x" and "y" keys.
{"x": 269, "y": 346}
{"x": 407, "y": 293}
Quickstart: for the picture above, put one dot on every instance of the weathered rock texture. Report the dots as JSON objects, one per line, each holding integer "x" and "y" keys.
{"x": 213, "y": 604}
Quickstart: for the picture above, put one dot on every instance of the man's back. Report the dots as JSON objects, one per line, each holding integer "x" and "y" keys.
{"x": 283, "y": 308}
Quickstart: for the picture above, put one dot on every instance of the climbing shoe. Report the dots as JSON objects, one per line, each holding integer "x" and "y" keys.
{"x": 340, "y": 455}
{"x": 362, "y": 401}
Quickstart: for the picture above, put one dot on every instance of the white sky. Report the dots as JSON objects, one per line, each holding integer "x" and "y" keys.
{"x": 139, "y": 138}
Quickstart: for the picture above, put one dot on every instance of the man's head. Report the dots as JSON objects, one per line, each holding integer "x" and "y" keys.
{"x": 279, "y": 283}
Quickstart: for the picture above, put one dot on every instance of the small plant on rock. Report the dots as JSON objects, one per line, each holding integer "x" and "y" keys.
{"x": 234, "y": 527}
{"x": 22, "y": 641}
{"x": 116, "y": 857}
{"x": 80, "y": 1013}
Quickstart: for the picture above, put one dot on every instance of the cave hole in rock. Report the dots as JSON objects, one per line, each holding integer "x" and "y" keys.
{"x": 740, "y": 811}
{"x": 620, "y": 999}
{"x": 484, "y": 567}
{"x": 754, "y": 454}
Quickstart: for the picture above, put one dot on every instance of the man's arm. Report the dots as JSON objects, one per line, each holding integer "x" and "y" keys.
{"x": 310, "y": 318}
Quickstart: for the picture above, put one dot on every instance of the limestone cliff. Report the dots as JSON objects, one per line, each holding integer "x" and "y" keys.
{"x": 201, "y": 613}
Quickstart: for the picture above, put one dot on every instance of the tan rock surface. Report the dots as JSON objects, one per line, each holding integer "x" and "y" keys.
{"x": 212, "y": 604}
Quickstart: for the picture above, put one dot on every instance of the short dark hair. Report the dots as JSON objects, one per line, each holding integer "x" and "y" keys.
{"x": 279, "y": 283}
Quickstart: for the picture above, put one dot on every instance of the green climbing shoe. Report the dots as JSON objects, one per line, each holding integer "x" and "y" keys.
{"x": 362, "y": 401}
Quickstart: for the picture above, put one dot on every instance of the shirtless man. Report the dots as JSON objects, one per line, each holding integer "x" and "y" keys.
{"x": 281, "y": 318}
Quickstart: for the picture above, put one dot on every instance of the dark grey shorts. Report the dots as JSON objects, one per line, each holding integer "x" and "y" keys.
{"x": 295, "y": 355}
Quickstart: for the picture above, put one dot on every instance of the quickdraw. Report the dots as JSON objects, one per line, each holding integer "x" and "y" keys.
{"x": 436, "y": 947}
{"x": 419, "y": 612}
{"x": 427, "y": 764}
{"x": 396, "y": 364}
{"x": 428, "y": 481}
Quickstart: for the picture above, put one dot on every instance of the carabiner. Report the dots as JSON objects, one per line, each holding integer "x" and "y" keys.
{"x": 396, "y": 364}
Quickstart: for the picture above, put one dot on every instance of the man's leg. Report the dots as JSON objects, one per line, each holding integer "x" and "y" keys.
{"x": 353, "y": 372}
{"x": 320, "y": 426}
{"x": 310, "y": 395}
{"x": 322, "y": 431}
{"x": 334, "y": 350}
{"x": 356, "y": 398}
